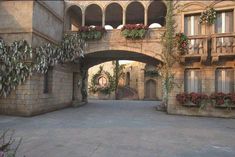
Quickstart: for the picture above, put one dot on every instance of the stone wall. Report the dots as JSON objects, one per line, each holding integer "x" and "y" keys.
{"x": 38, "y": 22}
{"x": 16, "y": 20}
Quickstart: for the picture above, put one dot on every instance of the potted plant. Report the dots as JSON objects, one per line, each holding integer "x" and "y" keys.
{"x": 91, "y": 33}
{"x": 134, "y": 31}
{"x": 182, "y": 43}
{"x": 208, "y": 16}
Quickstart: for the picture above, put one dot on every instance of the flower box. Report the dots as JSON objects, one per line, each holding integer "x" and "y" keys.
{"x": 91, "y": 33}
{"x": 134, "y": 31}
{"x": 216, "y": 100}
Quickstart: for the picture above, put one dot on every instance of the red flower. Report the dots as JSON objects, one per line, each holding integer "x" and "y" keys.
{"x": 134, "y": 27}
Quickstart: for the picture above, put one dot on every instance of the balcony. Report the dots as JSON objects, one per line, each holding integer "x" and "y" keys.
{"x": 223, "y": 45}
{"x": 197, "y": 48}
{"x": 215, "y": 45}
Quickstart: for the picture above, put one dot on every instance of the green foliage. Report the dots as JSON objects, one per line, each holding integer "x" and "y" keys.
{"x": 15, "y": 65}
{"x": 18, "y": 60}
{"x": 134, "y": 34}
{"x": 169, "y": 53}
{"x": 134, "y": 31}
{"x": 182, "y": 42}
{"x": 47, "y": 55}
{"x": 118, "y": 73}
{"x": 91, "y": 33}
{"x": 8, "y": 144}
{"x": 95, "y": 87}
{"x": 152, "y": 73}
{"x": 208, "y": 16}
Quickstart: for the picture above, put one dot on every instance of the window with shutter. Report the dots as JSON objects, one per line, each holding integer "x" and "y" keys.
{"x": 224, "y": 80}
{"x": 192, "y": 25}
{"x": 192, "y": 80}
{"x": 224, "y": 22}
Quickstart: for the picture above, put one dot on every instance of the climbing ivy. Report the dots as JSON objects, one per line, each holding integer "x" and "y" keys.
{"x": 95, "y": 87}
{"x": 170, "y": 56}
{"x": 15, "y": 65}
{"x": 71, "y": 47}
{"x": 19, "y": 60}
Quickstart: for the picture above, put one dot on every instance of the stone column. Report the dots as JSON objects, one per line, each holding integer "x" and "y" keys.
{"x": 145, "y": 16}
{"x": 103, "y": 18}
{"x": 83, "y": 18}
{"x": 124, "y": 17}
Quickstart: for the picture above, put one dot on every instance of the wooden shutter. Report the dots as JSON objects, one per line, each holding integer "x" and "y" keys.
{"x": 229, "y": 80}
{"x": 218, "y": 23}
{"x": 229, "y": 22}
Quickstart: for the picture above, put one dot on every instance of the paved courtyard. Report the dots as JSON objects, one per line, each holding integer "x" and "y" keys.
{"x": 122, "y": 129}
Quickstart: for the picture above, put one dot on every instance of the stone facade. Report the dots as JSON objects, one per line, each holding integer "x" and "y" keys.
{"x": 46, "y": 21}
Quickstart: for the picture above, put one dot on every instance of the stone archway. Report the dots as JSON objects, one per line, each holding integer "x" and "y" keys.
{"x": 113, "y": 15}
{"x": 150, "y": 89}
{"x": 93, "y": 15}
{"x": 73, "y": 18}
{"x": 135, "y": 13}
{"x": 157, "y": 12}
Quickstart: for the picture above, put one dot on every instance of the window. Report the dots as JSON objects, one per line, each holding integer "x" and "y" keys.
{"x": 192, "y": 81}
{"x": 224, "y": 22}
{"x": 47, "y": 84}
{"x": 102, "y": 81}
{"x": 224, "y": 80}
{"x": 192, "y": 25}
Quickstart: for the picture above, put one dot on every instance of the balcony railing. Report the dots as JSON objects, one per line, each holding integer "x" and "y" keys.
{"x": 223, "y": 44}
{"x": 197, "y": 45}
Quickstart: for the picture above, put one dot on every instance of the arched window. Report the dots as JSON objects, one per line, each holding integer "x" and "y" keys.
{"x": 73, "y": 18}
{"x": 102, "y": 81}
{"x": 93, "y": 15}
{"x": 135, "y": 13}
{"x": 156, "y": 13}
{"x": 113, "y": 15}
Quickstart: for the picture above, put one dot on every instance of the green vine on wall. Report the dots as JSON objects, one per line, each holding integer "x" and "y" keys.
{"x": 15, "y": 61}
{"x": 19, "y": 60}
{"x": 151, "y": 73}
{"x": 95, "y": 87}
{"x": 170, "y": 56}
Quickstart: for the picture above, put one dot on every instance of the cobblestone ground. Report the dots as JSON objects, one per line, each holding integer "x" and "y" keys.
{"x": 122, "y": 129}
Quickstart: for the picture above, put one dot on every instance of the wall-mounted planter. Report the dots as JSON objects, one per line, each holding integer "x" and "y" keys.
{"x": 134, "y": 31}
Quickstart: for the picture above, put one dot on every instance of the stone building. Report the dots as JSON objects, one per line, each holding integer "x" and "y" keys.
{"x": 208, "y": 66}
{"x": 144, "y": 79}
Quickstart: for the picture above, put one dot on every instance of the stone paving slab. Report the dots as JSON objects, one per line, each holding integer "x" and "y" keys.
{"x": 122, "y": 129}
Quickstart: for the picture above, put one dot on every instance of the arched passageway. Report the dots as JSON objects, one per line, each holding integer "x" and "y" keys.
{"x": 73, "y": 18}
{"x": 113, "y": 15}
{"x": 156, "y": 12}
{"x": 93, "y": 15}
{"x": 98, "y": 57}
{"x": 135, "y": 13}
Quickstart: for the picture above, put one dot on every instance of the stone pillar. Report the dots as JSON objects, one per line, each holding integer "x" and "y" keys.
{"x": 124, "y": 17}
{"x": 103, "y": 19}
{"x": 83, "y": 18}
{"x": 145, "y": 16}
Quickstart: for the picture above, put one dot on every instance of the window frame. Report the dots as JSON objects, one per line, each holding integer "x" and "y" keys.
{"x": 186, "y": 90}
{"x": 217, "y": 81}
{"x": 224, "y": 28}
